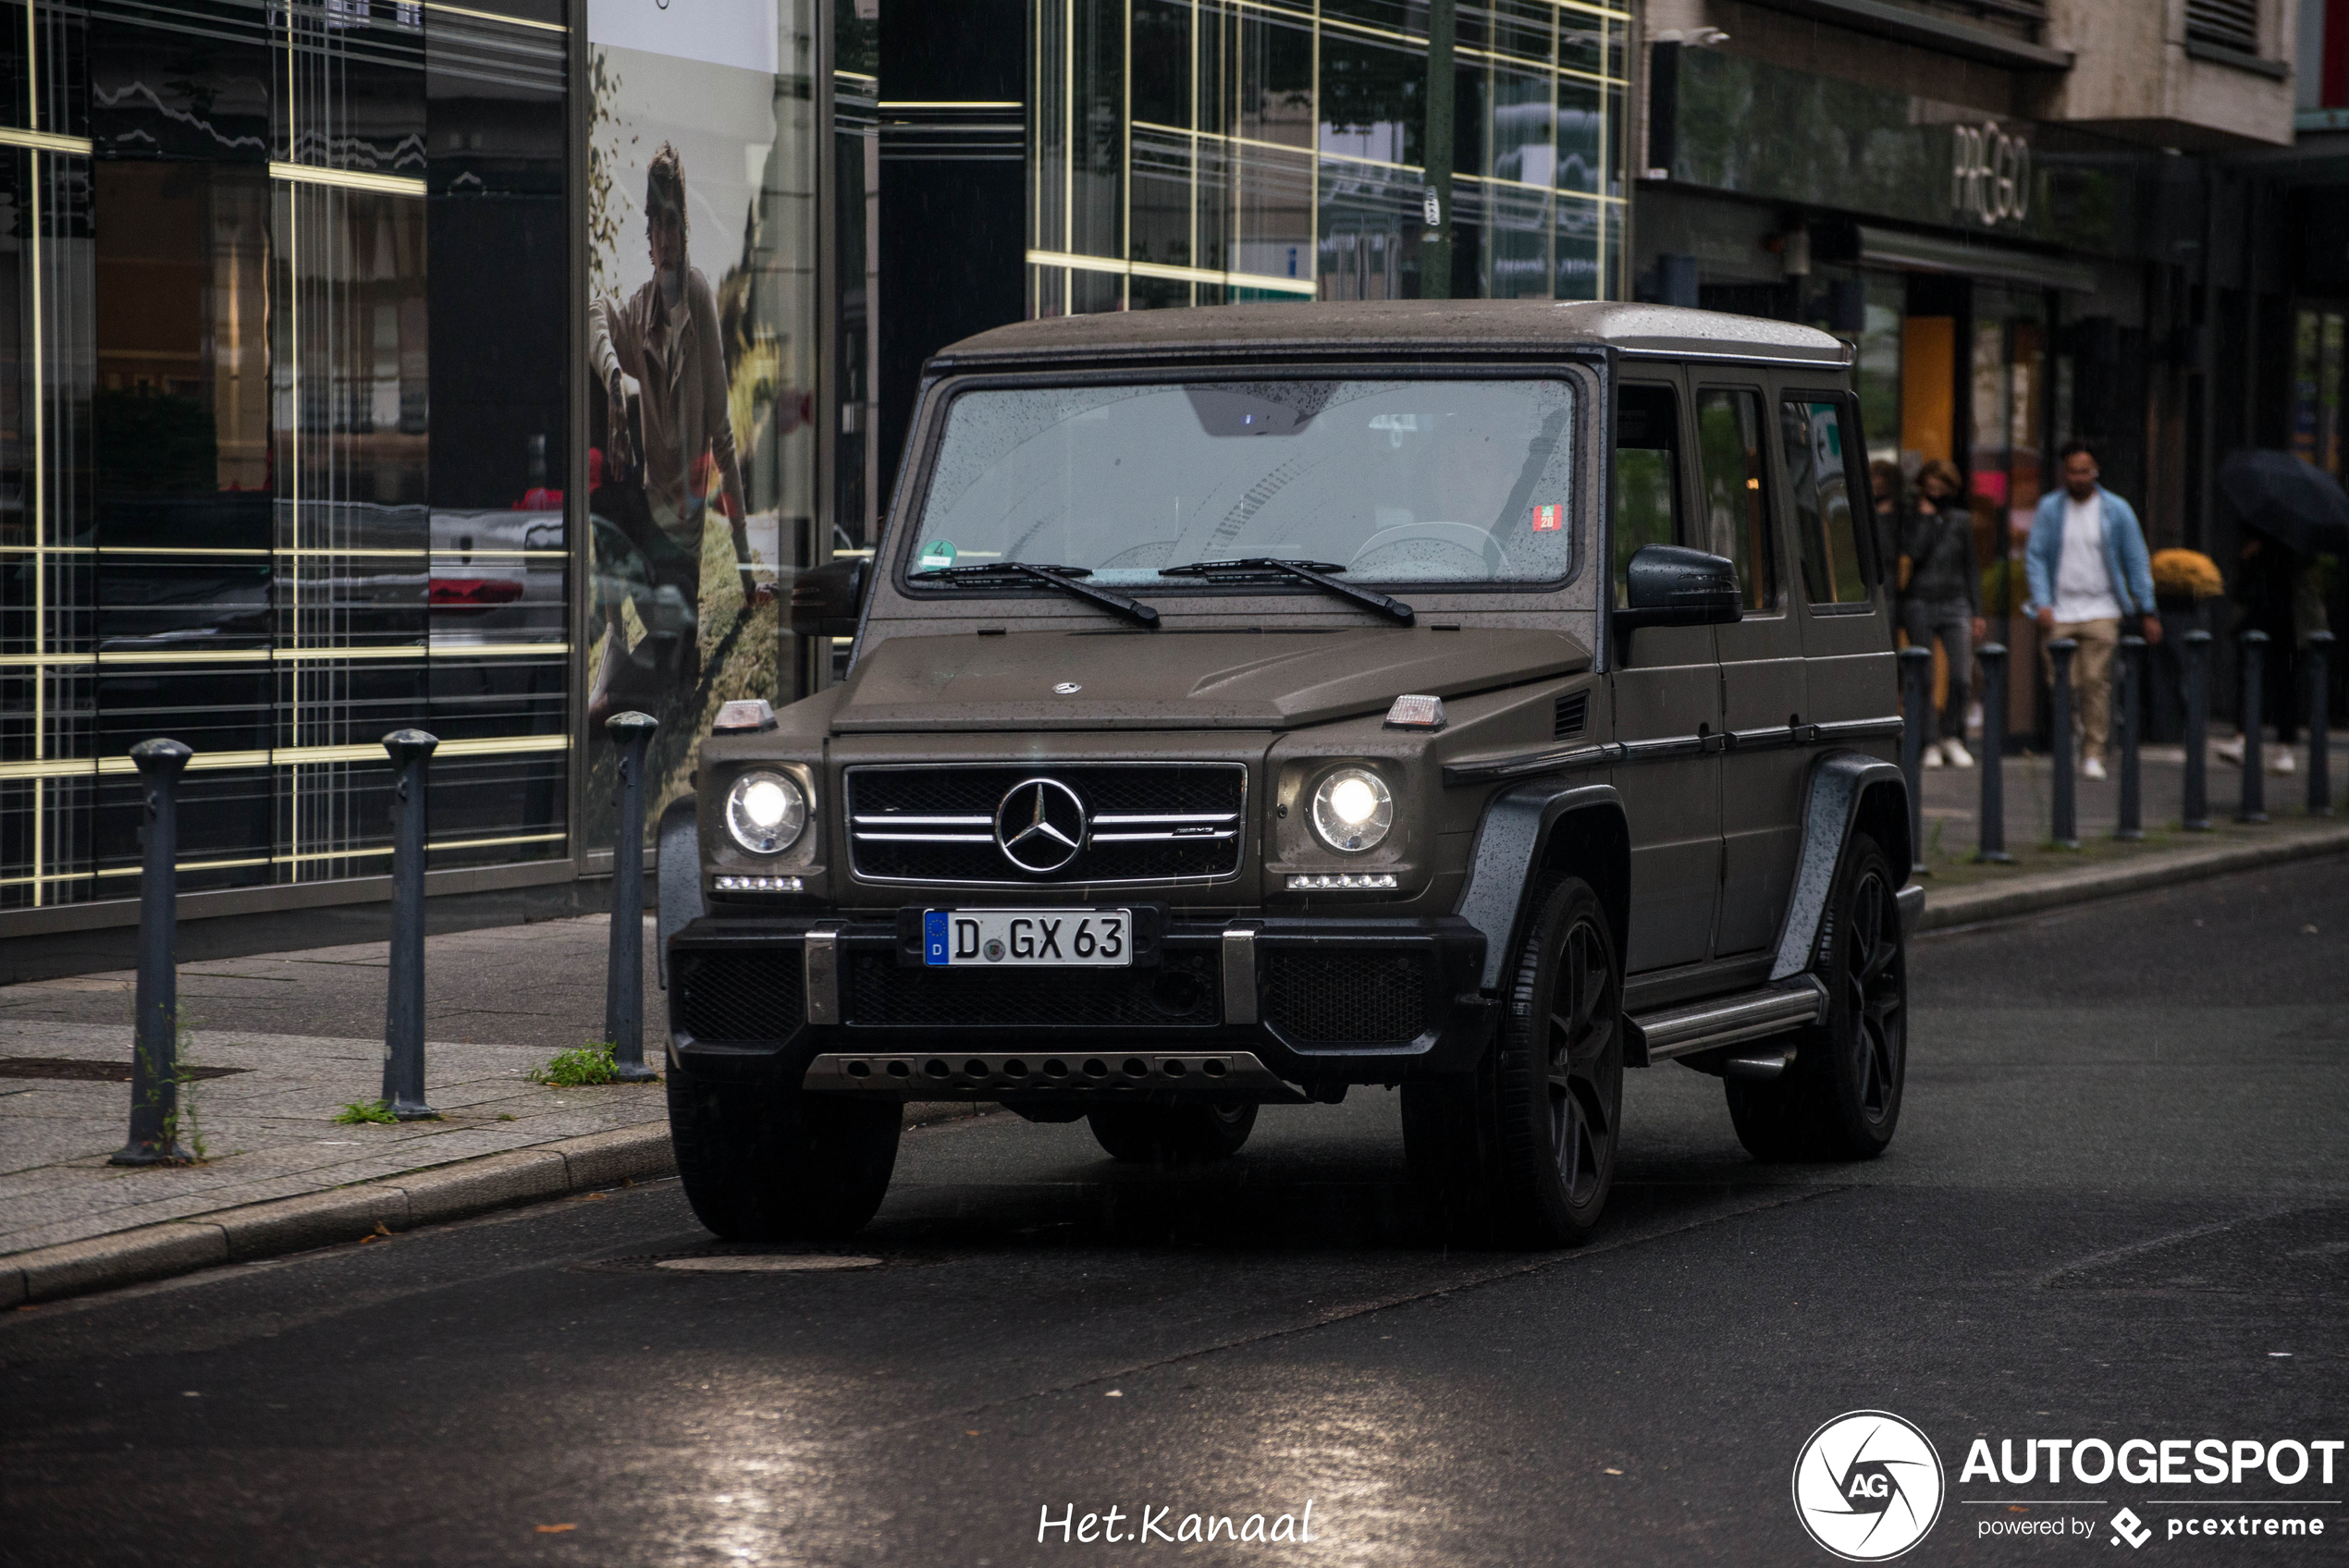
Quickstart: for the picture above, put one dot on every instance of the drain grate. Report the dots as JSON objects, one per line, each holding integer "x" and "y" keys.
{"x": 74, "y": 1069}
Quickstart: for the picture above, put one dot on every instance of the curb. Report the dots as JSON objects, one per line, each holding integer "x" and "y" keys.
{"x": 457, "y": 1191}
{"x": 1972, "y": 906}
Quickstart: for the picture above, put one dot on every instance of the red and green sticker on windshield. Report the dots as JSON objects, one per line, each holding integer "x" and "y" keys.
{"x": 1549, "y": 518}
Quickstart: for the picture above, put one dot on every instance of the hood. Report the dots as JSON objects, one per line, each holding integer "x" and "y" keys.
{"x": 1181, "y": 680}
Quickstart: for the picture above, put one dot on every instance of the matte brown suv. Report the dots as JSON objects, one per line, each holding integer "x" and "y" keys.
{"x": 1251, "y": 704}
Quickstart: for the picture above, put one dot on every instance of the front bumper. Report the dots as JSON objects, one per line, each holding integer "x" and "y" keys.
{"x": 1264, "y": 1007}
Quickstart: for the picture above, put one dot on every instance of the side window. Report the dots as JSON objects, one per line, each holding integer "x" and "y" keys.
{"x": 1813, "y": 437}
{"x": 1647, "y": 443}
{"x": 1737, "y": 490}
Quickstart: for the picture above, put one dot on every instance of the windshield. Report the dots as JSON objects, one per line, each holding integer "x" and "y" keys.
{"x": 1396, "y": 481}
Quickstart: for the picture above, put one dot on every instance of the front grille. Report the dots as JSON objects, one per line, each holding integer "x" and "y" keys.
{"x": 1180, "y": 991}
{"x": 1344, "y": 1000}
{"x": 740, "y": 996}
{"x": 1145, "y": 821}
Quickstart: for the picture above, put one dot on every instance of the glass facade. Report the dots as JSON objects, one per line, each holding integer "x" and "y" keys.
{"x": 283, "y": 432}
{"x": 1187, "y": 152}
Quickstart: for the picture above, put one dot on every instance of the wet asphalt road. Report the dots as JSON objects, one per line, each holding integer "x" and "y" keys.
{"x": 2118, "y": 1206}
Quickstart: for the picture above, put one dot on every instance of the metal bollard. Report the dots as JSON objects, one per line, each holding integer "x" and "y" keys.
{"x": 2319, "y": 765}
{"x": 154, "y": 1061}
{"x": 2067, "y": 805}
{"x": 2195, "y": 808}
{"x": 1916, "y": 701}
{"x": 2128, "y": 712}
{"x": 1993, "y": 843}
{"x": 625, "y": 972}
{"x": 2252, "y": 643}
{"x": 404, "y": 1008}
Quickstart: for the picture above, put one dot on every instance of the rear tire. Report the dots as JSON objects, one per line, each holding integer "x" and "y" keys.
{"x": 767, "y": 1164}
{"x": 1172, "y": 1135}
{"x": 1522, "y": 1153}
{"x": 1840, "y": 1098}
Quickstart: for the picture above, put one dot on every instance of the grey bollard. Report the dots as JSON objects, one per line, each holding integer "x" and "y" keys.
{"x": 2128, "y": 714}
{"x": 1916, "y": 701}
{"x": 154, "y": 1062}
{"x": 2194, "y": 809}
{"x": 2060, "y": 748}
{"x": 1992, "y": 847}
{"x": 2319, "y": 765}
{"x": 624, "y": 970}
{"x": 2253, "y": 807}
{"x": 404, "y": 1007}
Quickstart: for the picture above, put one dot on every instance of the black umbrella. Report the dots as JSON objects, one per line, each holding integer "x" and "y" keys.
{"x": 2296, "y": 504}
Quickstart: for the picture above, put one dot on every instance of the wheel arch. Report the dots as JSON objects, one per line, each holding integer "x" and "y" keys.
{"x": 676, "y": 874}
{"x": 1848, "y": 792}
{"x": 1539, "y": 827}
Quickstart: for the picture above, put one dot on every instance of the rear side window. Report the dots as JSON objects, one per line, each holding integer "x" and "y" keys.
{"x": 1647, "y": 440}
{"x": 1815, "y": 438}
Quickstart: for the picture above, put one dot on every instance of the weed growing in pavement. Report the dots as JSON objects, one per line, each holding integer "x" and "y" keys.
{"x": 181, "y": 1127}
{"x": 362, "y": 1111}
{"x": 578, "y": 1067}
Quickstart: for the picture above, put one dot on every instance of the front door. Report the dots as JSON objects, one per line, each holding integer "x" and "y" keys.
{"x": 1666, "y": 700}
{"x": 1761, "y": 680}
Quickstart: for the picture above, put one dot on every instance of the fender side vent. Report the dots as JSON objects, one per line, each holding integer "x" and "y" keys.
{"x": 1572, "y": 715}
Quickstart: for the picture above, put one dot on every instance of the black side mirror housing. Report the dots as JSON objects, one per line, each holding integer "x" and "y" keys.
{"x": 826, "y": 600}
{"x": 1669, "y": 586}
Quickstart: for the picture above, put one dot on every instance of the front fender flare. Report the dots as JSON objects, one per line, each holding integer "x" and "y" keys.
{"x": 677, "y": 874}
{"x": 1510, "y": 843}
{"x": 1839, "y": 782}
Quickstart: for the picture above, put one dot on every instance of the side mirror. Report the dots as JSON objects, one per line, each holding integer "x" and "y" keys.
{"x": 826, "y": 600}
{"x": 1667, "y": 585}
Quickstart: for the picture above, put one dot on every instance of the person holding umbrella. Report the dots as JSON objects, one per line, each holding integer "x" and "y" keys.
{"x": 2291, "y": 510}
{"x": 2088, "y": 569}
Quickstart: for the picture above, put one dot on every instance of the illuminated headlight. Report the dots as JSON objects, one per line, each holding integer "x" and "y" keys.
{"x": 765, "y": 813}
{"x": 1352, "y": 809}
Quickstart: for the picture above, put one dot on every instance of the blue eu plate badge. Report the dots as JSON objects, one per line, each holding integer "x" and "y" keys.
{"x": 934, "y": 935}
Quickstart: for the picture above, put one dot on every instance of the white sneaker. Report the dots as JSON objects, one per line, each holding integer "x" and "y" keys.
{"x": 1955, "y": 754}
{"x": 2230, "y": 751}
{"x": 1931, "y": 753}
{"x": 2093, "y": 769}
{"x": 2283, "y": 762}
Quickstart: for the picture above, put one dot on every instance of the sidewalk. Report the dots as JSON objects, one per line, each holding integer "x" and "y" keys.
{"x": 294, "y": 1036}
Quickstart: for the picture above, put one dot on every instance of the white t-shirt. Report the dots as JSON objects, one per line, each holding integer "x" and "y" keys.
{"x": 2083, "y": 587}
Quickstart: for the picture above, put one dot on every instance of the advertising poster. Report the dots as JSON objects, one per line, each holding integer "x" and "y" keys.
{"x": 698, "y": 335}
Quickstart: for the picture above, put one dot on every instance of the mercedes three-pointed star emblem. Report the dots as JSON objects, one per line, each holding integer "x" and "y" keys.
{"x": 1041, "y": 824}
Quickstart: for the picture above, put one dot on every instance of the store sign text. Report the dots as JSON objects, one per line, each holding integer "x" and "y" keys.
{"x": 1989, "y": 174}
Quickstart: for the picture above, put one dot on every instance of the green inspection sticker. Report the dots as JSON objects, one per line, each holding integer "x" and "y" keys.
{"x": 938, "y": 555}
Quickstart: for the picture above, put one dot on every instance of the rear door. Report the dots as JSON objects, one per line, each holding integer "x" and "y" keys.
{"x": 1666, "y": 694}
{"x": 1762, "y": 676}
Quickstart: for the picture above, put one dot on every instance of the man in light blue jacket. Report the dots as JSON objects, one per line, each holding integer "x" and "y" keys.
{"x": 2088, "y": 569}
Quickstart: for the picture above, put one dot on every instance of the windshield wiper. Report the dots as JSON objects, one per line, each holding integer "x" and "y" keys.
{"x": 1314, "y": 572}
{"x": 1065, "y": 578}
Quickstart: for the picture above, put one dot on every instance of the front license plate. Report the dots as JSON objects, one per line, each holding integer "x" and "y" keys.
{"x": 1028, "y": 939}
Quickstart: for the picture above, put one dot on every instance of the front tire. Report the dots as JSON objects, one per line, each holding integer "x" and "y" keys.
{"x": 1172, "y": 1135}
{"x": 767, "y": 1164}
{"x": 1523, "y": 1152}
{"x": 1840, "y": 1098}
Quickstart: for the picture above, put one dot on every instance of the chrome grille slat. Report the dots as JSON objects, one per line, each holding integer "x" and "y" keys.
{"x": 1146, "y": 822}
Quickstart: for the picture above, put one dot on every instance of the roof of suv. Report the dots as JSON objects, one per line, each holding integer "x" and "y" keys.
{"x": 1476, "y": 325}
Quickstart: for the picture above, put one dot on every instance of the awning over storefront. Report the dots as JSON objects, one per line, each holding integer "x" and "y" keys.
{"x": 1919, "y": 253}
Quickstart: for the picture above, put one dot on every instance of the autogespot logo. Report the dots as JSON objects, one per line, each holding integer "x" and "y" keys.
{"x": 1867, "y": 1486}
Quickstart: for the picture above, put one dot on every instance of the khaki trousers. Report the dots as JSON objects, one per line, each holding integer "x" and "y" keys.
{"x": 2091, "y": 679}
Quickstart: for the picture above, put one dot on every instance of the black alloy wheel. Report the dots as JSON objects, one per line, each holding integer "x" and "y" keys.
{"x": 1840, "y": 1098}
{"x": 1523, "y": 1153}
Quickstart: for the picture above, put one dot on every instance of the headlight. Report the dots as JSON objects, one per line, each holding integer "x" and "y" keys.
{"x": 1352, "y": 809}
{"x": 765, "y": 811}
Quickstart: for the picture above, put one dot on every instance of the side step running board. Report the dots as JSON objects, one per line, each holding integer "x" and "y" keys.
{"x": 1723, "y": 1021}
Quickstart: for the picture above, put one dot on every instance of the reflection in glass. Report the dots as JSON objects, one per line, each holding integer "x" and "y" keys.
{"x": 187, "y": 79}
{"x": 1812, "y": 442}
{"x": 1737, "y": 497}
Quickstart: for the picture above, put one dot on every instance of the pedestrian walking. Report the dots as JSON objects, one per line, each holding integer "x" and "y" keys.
{"x": 2088, "y": 570}
{"x": 1943, "y": 596}
{"x": 2275, "y": 590}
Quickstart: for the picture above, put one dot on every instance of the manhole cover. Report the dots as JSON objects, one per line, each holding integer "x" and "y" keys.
{"x": 765, "y": 1263}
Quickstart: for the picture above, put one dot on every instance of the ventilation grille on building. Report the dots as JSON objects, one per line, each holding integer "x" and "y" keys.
{"x": 2228, "y": 24}
{"x": 1573, "y": 712}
